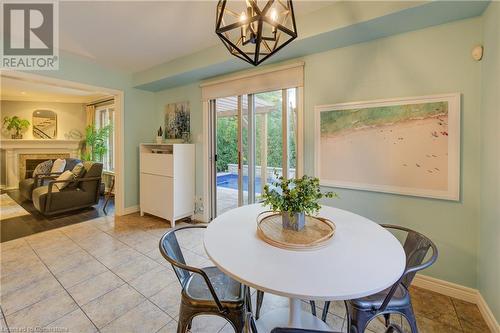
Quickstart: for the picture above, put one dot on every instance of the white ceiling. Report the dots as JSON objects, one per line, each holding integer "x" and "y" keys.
{"x": 14, "y": 89}
{"x": 135, "y": 36}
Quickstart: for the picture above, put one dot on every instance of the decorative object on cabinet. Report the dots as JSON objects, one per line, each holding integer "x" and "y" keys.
{"x": 186, "y": 137}
{"x": 407, "y": 146}
{"x": 44, "y": 124}
{"x": 165, "y": 170}
{"x": 177, "y": 120}
{"x": 17, "y": 125}
{"x": 159, "y": 135}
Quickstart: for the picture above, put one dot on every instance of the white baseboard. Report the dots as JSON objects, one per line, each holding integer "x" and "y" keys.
{"x": 446, "y": 288}
{"x": 131, "y": 210}
{"x": 460, "y": 292}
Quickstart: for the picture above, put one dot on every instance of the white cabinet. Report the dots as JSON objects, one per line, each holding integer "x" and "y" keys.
{"x": 167, "y": 180}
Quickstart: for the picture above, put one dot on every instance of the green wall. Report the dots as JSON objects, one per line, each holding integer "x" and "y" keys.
{"x": 138, "y": 105}
{"x": 489, "y": 231}
{"x": 425, "y": 62}
{"x": 430, "y": 61}
{"x": 191, "y": 93}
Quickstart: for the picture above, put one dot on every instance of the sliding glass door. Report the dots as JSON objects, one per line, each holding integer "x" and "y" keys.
{"x": 253, "y": 141}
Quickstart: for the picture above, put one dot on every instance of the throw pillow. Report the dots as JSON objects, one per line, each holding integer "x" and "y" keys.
{"x": 66, "y": 175}
{"x": 58, "y": 165}
{"x": 43, "y": 168}
{"x": 78, "y": 170}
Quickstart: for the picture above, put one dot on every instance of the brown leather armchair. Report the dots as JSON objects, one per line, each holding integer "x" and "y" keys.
{"x": 79, "y": 193}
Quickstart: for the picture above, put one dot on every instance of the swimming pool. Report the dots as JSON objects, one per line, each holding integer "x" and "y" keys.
{"x": 230, "y": 180}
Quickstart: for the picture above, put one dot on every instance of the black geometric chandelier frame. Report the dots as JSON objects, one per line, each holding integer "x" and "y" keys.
{"x": 258, "y": 32}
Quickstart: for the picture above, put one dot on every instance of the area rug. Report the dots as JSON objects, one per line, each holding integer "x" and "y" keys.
{"x": 9, "y": 208}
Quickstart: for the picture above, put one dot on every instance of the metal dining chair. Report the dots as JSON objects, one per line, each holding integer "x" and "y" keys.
{"x": 396, "y": 299}
{"x": 204, "y": 290}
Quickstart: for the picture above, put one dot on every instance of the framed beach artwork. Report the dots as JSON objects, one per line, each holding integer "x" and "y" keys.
{"x": 407, "y": 146}
{"x": 177, "y": 121}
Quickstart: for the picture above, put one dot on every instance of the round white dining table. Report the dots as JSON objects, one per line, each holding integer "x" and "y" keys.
{"x": 362, "y": 259}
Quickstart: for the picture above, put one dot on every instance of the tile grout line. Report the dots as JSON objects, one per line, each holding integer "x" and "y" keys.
{"x": 5, "y": 320}
{"x": 48, "y": 269}
{"x": 456, "y": 314}
{"x": 445, "y": 323}
{"x": 166, "y": 326}
{"x": 78, "y": 305}
{"x": 439, "y": 322}
{"x": 125, "y": 282}
{"x": 344, "y": 317}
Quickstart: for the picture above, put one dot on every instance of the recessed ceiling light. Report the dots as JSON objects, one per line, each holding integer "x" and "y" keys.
{"x": 23, "y": 92}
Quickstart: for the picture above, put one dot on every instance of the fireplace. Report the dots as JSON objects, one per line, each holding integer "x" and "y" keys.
{"x": 17, "y": 152}
{"x": 31, "y": 164}
{"x": 28, "y": 162}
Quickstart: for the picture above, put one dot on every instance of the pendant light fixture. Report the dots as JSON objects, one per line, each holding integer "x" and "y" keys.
{"x": 254, "y": 30}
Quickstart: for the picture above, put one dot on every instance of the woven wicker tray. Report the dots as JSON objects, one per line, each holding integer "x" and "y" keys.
{"x": 316, "y": 233}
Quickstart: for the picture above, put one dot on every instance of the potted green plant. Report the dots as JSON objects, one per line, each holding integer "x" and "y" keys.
{"x": 95, "y": 143}
{"x": 17, "y": 124}
{"x": 294, "y": 198}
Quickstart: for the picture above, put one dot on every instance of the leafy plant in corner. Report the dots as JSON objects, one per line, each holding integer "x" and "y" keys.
{"x": 17, "y": 124}
{"x": 295, "y": 198}
{"x": 96, "y": 143}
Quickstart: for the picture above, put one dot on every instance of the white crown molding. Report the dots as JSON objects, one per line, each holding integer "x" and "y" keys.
{"x": 459, "y": 292}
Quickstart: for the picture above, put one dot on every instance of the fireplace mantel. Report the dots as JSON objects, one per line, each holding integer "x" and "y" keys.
{"x": 36, "y": 144}
{"x": 14, "y": 149}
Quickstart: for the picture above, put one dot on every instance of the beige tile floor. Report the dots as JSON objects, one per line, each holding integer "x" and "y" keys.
{"x": 107, "y": 275}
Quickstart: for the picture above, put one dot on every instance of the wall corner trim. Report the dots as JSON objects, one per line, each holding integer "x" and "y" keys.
{"x": 460, "y": 292}
{"x": 200, "y": 218}
{"x": 130, "y": 210}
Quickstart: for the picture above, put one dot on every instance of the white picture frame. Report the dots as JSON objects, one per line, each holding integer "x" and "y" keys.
{"x": 452, "y": 177}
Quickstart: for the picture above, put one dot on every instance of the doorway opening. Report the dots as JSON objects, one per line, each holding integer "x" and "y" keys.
{"x": 253, "y": 140}
{"x": 60, "y": 131}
